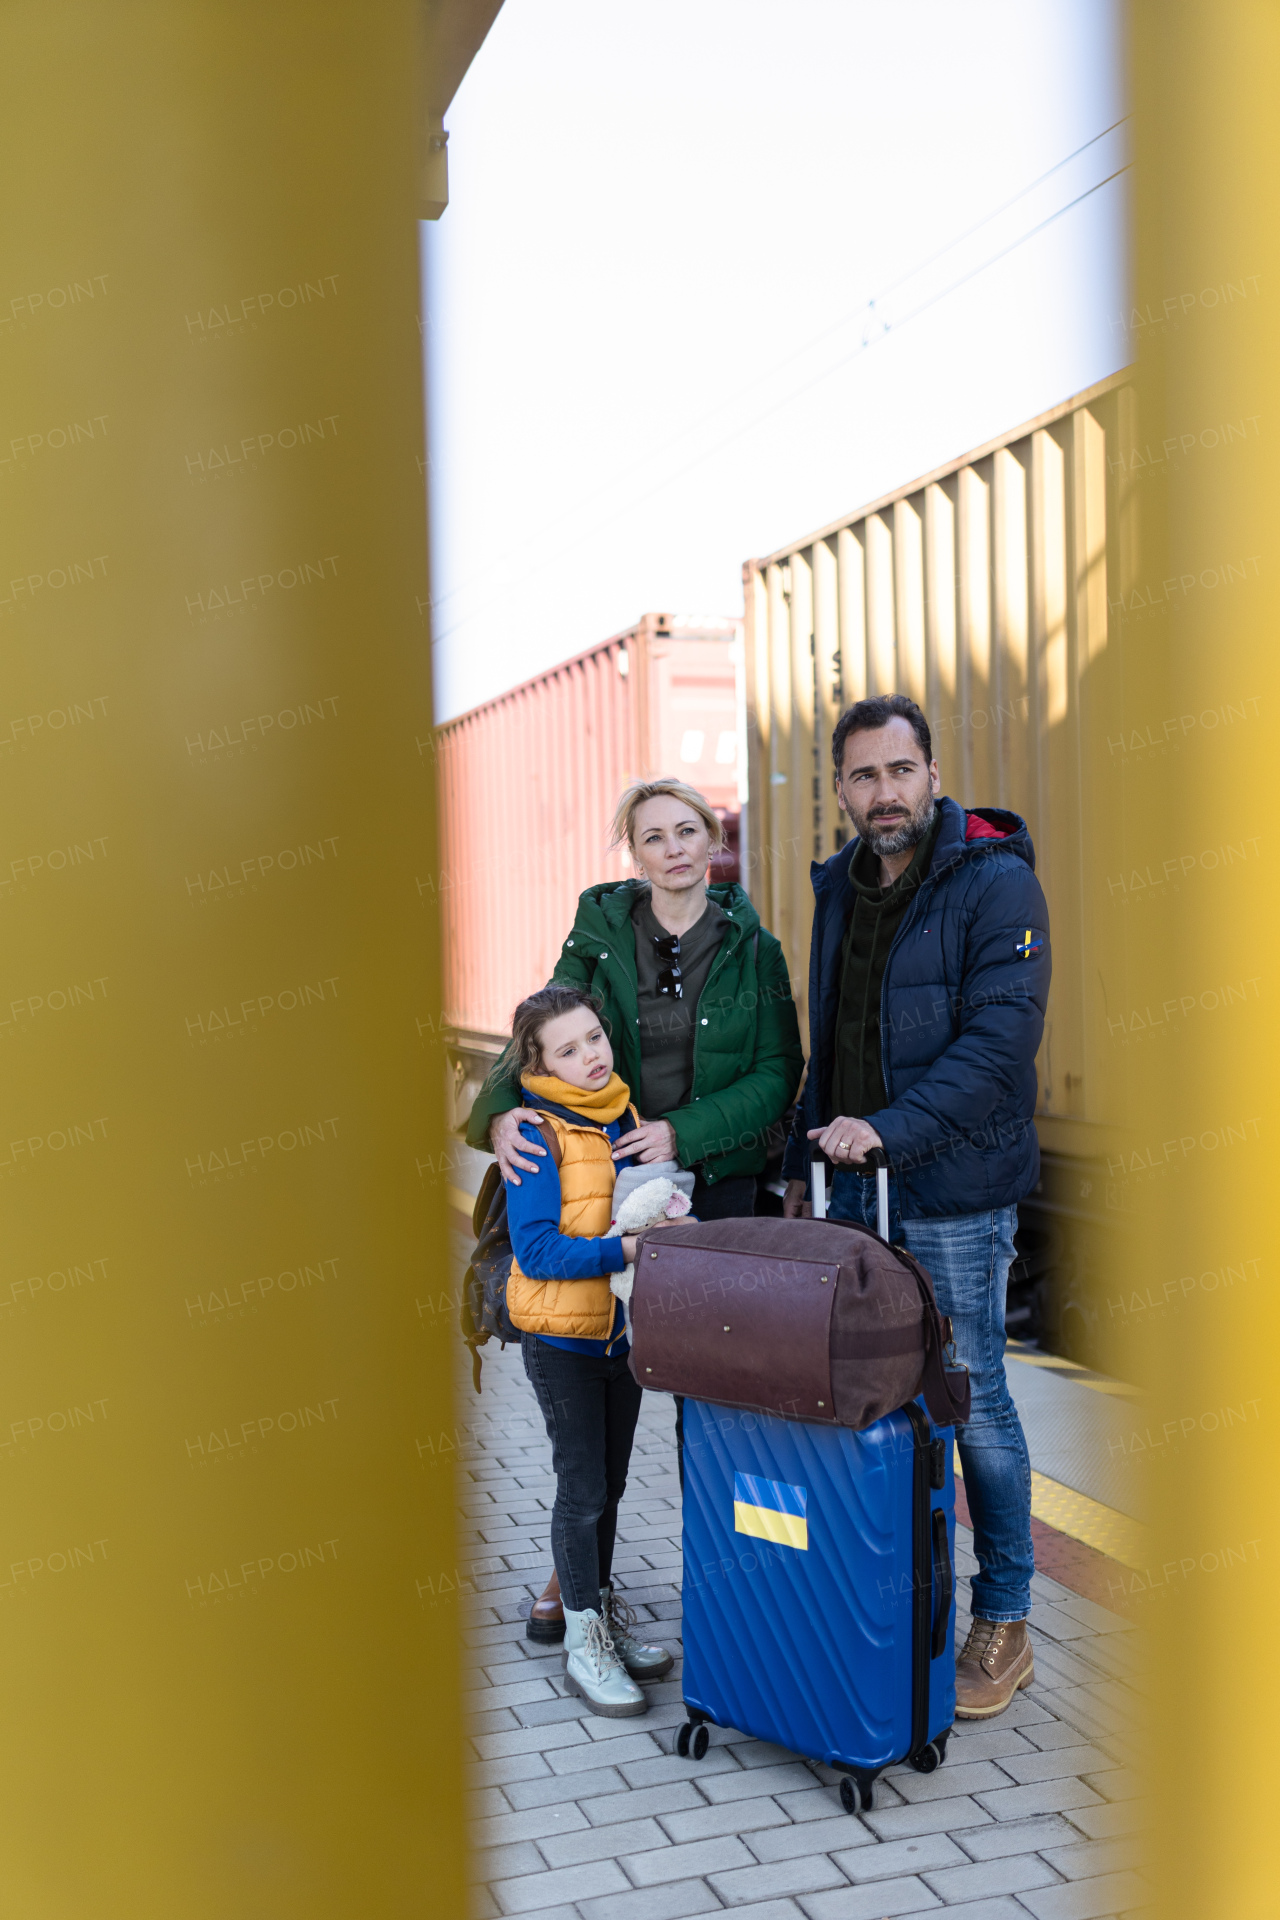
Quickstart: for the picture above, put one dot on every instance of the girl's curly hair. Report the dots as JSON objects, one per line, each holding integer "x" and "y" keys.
{"x": 532, "y": 1015}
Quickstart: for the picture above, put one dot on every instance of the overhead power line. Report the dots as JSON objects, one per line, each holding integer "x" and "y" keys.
{"x": 887, "y": 327}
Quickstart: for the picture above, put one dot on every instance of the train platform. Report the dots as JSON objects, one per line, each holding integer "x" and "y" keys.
{"x": 579, "y": 1818}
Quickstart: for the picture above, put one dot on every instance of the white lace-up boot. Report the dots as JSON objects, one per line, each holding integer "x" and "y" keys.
{"x": 593, "y": 1670}
{"x": 641, "y": 1662}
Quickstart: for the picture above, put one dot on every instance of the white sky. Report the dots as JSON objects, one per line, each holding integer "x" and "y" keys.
{"x": 650, "y": 349}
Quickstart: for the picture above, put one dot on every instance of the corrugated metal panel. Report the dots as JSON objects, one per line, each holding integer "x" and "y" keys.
{"x": 529, "y": 781}
{"x": 981, "y": 591}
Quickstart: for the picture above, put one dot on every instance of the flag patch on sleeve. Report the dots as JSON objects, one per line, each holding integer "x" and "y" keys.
{"x": 1029, "y": 944}
{"x": 771, "y": 1510}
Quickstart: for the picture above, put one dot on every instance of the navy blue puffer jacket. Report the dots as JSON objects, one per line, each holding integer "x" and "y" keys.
{"x": 961, "y": 1014}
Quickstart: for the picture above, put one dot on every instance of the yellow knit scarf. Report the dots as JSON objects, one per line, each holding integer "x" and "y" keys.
{"x": 606, "y": 1103}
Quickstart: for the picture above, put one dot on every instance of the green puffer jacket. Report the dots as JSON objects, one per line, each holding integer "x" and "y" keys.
{"x": 747, "y": 1059}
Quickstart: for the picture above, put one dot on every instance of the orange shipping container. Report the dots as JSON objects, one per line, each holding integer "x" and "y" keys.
{"x": 528, "y": 784}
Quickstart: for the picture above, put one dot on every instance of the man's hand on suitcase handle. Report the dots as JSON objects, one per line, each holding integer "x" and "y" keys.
{"x": 846, "y": 1142}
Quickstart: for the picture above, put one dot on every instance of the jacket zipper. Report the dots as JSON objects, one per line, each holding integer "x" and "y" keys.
{"x": 929, "y": 882}
{"x": 632, "y": 978}
{"x": 921, "y": 1577}
{"x": 721, "y": 957}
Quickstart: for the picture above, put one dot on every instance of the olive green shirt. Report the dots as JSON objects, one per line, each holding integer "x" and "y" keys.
{"x": 857, "y": 1080}
{"x": 668, "y": 1027}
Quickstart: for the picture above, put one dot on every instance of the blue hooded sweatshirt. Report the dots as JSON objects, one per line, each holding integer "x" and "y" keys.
{"x": 961, "y": 1017}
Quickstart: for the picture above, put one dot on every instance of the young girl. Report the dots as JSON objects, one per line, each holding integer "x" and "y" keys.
{"x": 573, "y": 1336}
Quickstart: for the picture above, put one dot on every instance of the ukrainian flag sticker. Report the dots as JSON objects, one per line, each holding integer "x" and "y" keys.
{"x": 771, "y": 1510}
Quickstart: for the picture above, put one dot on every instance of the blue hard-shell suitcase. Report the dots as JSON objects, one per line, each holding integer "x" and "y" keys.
{"x": 819, "y": 1592}
{"x": 819, "y": 1599}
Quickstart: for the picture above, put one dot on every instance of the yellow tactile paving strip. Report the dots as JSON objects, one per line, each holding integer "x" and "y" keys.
{"x": 1085, "y": 1520}
{"x": 1083, "y": 1376}
{"x": 1088, "y": 1521}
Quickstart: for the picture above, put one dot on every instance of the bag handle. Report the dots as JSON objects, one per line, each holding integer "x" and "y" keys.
{"x": 944, "y": 1576}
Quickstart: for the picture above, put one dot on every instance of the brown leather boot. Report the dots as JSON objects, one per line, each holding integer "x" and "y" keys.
{"x": 996, "y": 1660}
{"x": 546, "y": 1616}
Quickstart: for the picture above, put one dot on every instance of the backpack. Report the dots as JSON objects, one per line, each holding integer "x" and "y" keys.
{"x": 484, "y": 1313}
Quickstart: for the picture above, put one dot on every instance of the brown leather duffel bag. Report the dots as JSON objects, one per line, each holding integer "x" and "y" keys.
{"x": 814, "y": 1320}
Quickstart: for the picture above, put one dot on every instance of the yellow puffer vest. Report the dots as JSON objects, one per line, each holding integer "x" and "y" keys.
{"x": 572, "y": 1309}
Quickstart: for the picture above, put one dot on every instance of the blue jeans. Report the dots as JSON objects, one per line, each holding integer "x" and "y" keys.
{"x": 968, "y": 1257}
{"x": 590, "y": 1404}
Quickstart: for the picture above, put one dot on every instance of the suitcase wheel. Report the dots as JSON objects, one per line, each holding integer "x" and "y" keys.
{"x": 692, "y": 1741}
{"x": 852, "y": 1795}
{"x": 930, "y": 1758}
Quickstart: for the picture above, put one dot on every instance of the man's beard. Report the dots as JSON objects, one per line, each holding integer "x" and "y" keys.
{"x": 902, "y": 834}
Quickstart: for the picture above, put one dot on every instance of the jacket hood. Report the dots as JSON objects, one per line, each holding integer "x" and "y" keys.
{"x": 541, "y": 1104}
{"x": 607, "y": 905}
{"x": 964, "y": 835}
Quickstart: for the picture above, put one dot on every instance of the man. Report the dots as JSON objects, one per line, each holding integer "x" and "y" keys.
{"x": 928, "y": 978}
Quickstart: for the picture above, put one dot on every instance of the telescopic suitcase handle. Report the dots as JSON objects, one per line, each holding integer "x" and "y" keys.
{"x": 876, "y": 1159}
{"x": 818, "y": 1176}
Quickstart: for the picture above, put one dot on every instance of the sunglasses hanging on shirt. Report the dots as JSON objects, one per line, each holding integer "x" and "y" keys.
{"x": 669, "y": 976}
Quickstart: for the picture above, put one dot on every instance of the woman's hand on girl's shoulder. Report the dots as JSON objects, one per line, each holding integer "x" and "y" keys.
{"x": 509, "y": 1144}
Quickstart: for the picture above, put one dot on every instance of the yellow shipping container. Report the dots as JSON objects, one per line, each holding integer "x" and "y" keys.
{"x": 984, "y": 591}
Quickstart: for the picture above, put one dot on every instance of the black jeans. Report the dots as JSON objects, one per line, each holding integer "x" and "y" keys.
{"x": 590, "y": 1403}
{"x": 732, "y": 1199}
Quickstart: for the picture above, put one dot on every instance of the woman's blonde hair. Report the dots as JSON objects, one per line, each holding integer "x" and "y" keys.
{"x": 623, "y": 831}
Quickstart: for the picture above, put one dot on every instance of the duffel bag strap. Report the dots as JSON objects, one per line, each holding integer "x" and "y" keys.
{"x": 945, "y": 1389}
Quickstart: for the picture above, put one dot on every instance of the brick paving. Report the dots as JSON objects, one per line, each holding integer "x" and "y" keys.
{"x": 579, "y": 1818}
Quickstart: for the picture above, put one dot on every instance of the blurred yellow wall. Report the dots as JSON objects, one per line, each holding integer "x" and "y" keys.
{"x": 225, "y": 1563}
{"x": 1200, "y": 633}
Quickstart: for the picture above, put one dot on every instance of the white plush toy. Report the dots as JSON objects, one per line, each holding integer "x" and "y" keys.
{"x": 642, "y": 1197}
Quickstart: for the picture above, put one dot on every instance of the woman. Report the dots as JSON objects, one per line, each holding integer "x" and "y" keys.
{"x": 697, "y": 1002}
